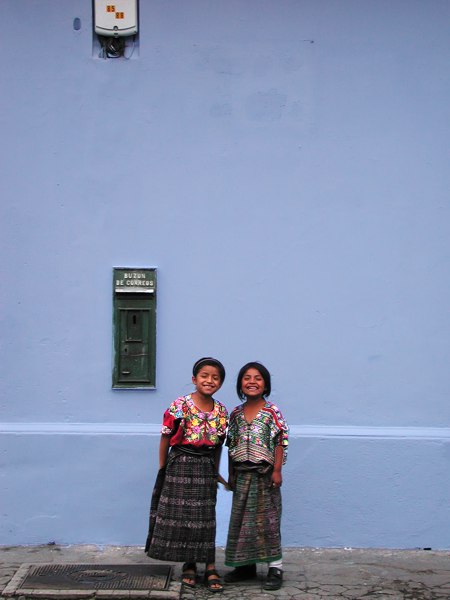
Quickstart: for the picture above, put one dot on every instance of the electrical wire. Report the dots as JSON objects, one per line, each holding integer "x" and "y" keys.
{"x": 111, "y": 47}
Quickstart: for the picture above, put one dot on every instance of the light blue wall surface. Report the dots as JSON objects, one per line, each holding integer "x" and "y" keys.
{"x": 284, "y": 165}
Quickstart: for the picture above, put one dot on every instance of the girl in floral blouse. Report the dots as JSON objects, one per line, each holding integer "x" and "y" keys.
{"x": 183, "y": 509}
{"x": 257, "y": 442}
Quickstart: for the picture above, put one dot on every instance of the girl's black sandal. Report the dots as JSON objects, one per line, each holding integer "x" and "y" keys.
{"x": 215, "y": 581}
{"x": 241, "y": 574}
{"x": 274, "y": 579}
{"x": 189, "y": 574}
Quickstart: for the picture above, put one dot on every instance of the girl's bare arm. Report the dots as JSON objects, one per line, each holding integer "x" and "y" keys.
{"x": 277, "y": 478}
{"x": 164, "y": 445}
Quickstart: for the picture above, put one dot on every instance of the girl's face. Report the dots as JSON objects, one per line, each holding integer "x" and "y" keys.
{"x": 207, "y": 381}
{"x": 253, "y": 384}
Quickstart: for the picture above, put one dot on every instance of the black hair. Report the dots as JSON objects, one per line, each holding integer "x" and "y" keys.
{"x": 264, "y": 374}
{"x": 209, "y": 361}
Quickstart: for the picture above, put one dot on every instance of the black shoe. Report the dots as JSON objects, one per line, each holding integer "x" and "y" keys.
{"x": 189, "y": 574}
{"x": 274, "y": 579}
{"x": 212, "y": 581}
{"x": 241, "y": 574}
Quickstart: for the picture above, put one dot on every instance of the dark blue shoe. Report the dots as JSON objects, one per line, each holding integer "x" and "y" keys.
{"x": 241, "y": 574}
{"x": 274, "y": 579}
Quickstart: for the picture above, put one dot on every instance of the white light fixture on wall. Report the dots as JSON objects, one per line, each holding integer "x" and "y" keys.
{"x": 115, "y": 18}
{"x": 115, "y": 27}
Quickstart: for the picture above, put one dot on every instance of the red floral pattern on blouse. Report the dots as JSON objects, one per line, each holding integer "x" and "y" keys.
{"x": 187, "y": 424}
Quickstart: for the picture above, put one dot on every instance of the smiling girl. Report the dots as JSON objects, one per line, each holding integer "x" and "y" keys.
{"x": 257, "y": 444}
{"x": 183, "y": 509}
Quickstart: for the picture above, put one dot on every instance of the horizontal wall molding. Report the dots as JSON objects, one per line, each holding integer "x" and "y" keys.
{"x": 296, "y": 431}
{"x": 80, "y": 428}
{"x": 374, "y": 432}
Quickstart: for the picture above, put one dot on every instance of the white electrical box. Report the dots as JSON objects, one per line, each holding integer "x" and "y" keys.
{"x": 115, "y": 19}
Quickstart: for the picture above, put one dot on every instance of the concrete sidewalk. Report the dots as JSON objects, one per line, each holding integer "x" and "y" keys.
{"x": 309, "y": 574}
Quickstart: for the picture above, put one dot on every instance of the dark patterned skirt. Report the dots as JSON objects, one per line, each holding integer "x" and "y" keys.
{"x": 183, "y": 510}
{"x": 254, "y": 531}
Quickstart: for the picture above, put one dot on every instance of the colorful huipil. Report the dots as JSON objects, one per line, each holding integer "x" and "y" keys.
{"x": 183, "y": 509}
{"x": 254, "y": 530}
{"x": 188, "y": 425}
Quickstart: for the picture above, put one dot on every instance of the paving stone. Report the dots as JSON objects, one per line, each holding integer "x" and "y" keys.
{"x": 309, "y": 573}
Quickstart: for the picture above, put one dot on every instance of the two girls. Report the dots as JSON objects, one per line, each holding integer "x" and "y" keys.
{"x": 182, "y": 513}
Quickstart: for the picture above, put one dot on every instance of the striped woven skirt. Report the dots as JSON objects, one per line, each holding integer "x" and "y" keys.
{"x": 182, "y": 523}
{"x": 254, "y": 530}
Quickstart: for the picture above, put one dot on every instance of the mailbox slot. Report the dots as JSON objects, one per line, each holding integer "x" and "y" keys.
{"x": 134, "y": 326}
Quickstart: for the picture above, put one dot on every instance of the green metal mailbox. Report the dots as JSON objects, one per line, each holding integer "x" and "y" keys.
{"x": 134, "y": 326}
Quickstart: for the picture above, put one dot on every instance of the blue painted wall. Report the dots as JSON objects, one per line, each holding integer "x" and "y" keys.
{"x": 284, "y": 165}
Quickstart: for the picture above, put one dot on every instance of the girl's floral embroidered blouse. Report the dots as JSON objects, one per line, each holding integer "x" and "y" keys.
{"x": 256, "y": 441}
{"x": 187, "y": 424}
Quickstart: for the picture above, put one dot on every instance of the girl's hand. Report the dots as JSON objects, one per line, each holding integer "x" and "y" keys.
{"x": 225, "y": 484}
{"x": 277, "y": 479}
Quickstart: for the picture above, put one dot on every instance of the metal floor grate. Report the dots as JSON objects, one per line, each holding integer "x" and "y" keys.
{"x": 97, "y": 577}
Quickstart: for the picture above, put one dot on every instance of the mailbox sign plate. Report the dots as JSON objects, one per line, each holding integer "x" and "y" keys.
{"x": 134, "y": 281}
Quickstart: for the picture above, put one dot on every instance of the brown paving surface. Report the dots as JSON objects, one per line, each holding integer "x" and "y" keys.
{"x": 309, "y": 574}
